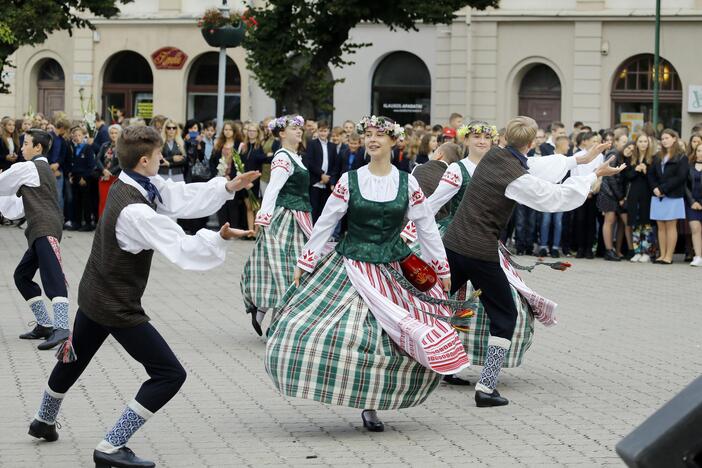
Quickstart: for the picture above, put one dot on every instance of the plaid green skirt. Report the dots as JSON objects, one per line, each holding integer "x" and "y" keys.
{"x": 269, "y": 270}
{"x": 325, "y": 345}
{"x": 475, "y": 341}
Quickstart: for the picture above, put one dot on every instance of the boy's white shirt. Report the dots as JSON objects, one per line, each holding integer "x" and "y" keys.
{"x": 11, "y": 180}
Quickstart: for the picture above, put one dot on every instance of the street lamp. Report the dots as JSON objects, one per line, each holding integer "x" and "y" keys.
{"x": 221, "y": 74}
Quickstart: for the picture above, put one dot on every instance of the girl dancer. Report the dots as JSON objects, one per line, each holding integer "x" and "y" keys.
{"x": 350, "y": 334}
{"x": 286, "y": 222}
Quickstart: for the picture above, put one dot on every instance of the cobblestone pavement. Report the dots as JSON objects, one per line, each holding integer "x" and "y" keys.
{"x": 628, "y": 339}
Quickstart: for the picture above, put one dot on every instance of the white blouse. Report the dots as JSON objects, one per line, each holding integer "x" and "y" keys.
{"x": 379, "y": 189}
{"x": 281, "y": 170}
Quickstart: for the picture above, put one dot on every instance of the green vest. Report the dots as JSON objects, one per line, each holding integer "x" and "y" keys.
{"x": 374, "y": 229}
{"x": 295, "y": 194}
{"x": 456, "y": 200}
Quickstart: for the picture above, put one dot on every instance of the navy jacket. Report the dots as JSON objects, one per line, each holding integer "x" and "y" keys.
{"x": 83, "y": 163}
{"x": 672, "y": 181}
{"x": 313, "y": 158}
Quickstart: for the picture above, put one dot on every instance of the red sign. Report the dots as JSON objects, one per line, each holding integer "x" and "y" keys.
{"x": 169, "y": 58}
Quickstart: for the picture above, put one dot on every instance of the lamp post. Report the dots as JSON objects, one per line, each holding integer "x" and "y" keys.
{"x": 656, "y": 66}
{"x": 221, "y": 75}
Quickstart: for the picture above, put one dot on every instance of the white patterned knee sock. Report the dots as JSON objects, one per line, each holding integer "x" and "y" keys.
{"x": 496, "y": 353}
{"x": 49, "y": 407}
{"x": 133, "y": 417}
{"x": 60, "y": 305}
{"x": 39, "y": 310}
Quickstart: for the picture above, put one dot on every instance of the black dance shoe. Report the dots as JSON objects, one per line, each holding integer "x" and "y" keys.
{"x": 485, "y": 400}
{"x": 122, "y": 458}
{"x": 611, "y": 256}
{"x": 254, "y": 320}
{"x": 58, "y": 336}
{"x": 455, "y": 380}
{"x": 37, "y": 333}
{"x": 41, "y": 430}
{"x": 371, "y": 421}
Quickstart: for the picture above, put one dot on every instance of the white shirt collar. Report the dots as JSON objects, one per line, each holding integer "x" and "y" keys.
{"x": 124, "y": 177}
{"x": 41, "y": 158}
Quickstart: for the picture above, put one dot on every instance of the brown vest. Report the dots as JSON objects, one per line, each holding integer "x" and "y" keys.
{"x": 429, "y": 175}
{"x": 41, "y": 208}
{"x": 484, "y": 210}
{"x": 114, "y": 280}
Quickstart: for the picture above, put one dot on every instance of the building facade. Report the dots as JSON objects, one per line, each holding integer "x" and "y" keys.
{"x": 569, "y": 60}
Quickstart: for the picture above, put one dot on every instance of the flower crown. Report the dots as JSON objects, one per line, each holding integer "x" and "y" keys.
{"x": 285, "y": 121}
{"x": 479, "y": 128}
{"x": 381, "y": 123}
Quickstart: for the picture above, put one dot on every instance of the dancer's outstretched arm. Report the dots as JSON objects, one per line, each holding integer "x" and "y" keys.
{"x": 140, "y": 228}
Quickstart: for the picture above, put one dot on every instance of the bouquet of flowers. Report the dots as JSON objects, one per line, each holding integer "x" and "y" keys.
{"x": 88, "y": 111}
{"x": 253, "y": 199}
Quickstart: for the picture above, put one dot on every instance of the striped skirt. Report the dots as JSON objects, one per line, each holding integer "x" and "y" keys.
{"x": 327, "y": 346}
{"x": 269, "y": 270}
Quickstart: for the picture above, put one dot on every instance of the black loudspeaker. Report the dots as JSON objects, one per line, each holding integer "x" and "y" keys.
{"x": 671, "y": 437}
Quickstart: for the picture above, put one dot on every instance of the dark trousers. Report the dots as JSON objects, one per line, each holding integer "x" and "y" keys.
{"x": 318, "y": 198}
{"x": 41, "y": 256}
{"x": 234, "y": 213}
{"x": 82, "y": 204}
{"x": 524, "y": 228}
{"x": 496, "y": 294}
{"x": 585, "y": 225}
{"x": 143, "y": 343}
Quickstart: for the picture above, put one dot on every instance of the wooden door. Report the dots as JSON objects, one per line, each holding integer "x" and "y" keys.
{"x": 50, "y": 98}
{"x": 542, "y": 109}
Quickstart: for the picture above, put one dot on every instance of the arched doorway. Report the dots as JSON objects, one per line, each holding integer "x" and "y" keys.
{"x": 51, "y": 87}
{"x": 202, "y": 89}
{"x": 540, "y": 95}
{"x": 632, "y": 93}
{"x": 402, "y": 88}
{"x": 128, "y": 85}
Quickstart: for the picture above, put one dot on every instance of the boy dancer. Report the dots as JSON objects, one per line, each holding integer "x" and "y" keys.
{"x": 115, "y": 276}
{"x": 501, "y": 180}
{"x": 28, "y": 189}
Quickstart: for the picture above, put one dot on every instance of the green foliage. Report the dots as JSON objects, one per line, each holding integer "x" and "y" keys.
{"x": 28, "y": 22}
{"x": 296, "y": 41}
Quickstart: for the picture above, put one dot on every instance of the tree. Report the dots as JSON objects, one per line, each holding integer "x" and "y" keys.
{"x": 27, "y": 22}
{"x": 296, "y": 41}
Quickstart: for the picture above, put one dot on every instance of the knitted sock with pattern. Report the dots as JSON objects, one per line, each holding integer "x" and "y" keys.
{"x": 496, "y": 353}
{"x": 60, "y": 305}
{"x": 39, "y": 310}
{"x": 133, "y": 417}
{"x": 49, "y": 407}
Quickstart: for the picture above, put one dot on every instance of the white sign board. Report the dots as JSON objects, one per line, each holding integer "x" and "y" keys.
{"x": 694, "y": 98}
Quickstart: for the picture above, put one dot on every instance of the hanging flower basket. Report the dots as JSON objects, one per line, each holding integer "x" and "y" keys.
{"x": 224, "y": 36}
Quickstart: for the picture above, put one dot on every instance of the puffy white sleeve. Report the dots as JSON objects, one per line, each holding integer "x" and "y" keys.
{"x": 334, "y": 210}
{"x": 11, "y": 207}
{"x": 547, "y": 197}
{"x": 140, "y": 228}
{"x": 19, "y": 174}
{"x": 281, "y": 170}
{"x": 552, "y": 168}
{"x": 428, "y": 235}
{"x": 188, "y": 201}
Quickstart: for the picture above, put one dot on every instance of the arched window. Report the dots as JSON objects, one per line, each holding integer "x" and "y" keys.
{"x": 402, "y": 88}
{"x": 540, "y": 95}
{"x": 128, "y": 85}
{"x": 632, "y": 92}
{"x": 202, "y": 89}
{"x": 51, "y": 86}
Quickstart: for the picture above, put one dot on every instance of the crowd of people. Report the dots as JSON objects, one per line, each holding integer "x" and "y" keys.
{"x": 646, "y": 214}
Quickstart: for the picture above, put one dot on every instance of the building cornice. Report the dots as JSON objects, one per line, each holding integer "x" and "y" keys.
{"x": 589, "y": 15}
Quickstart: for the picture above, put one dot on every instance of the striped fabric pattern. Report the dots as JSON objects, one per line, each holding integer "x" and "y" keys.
{"x": 326, "y": 345}
{"x": 269, "y": 270}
